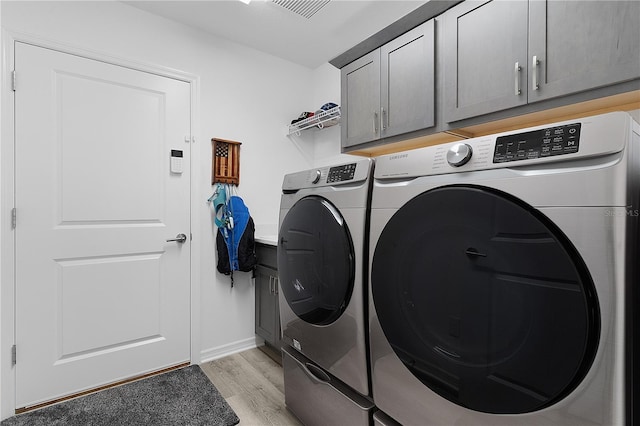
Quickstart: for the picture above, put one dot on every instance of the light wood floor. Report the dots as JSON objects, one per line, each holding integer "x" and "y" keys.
{"x": 253, "y": 385}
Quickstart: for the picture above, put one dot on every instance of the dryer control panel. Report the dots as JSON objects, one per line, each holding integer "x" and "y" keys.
{"x": 537, "y": 143}
{"x": 341, "y": 173}
{"x": 328, "y": 176}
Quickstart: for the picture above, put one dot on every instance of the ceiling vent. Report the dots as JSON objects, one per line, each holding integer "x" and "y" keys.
{"x": 304, "y": 8}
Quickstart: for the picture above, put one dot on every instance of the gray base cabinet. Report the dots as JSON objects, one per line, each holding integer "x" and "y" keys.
{"x": 390, "y": 91}
{"x": 503, "y": 54}
{"x": 267, "y": 322}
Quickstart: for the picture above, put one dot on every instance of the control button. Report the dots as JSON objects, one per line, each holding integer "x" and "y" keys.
{"x": 459, "y": 154}
{"x": 317, "y": 178}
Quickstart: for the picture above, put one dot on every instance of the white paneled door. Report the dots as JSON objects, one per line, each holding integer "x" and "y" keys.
{"x": 101, "y": 295}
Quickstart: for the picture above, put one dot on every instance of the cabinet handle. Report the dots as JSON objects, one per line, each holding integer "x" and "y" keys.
{"x": 270, "y": 284}
{"x": 384, "y": 119}
{"x": 534, "y": 72}
{"x": 375, "y": 123}
{"x": 276, "y": 281}
{"x": 518, "y": 69}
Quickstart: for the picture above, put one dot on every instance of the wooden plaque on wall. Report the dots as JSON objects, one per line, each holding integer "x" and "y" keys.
{"x": 225, "y": 164}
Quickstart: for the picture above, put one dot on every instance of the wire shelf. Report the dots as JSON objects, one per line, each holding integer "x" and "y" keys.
{"x": 323, "y": 119}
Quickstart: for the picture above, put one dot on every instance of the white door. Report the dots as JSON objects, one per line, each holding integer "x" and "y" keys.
{"x": 100, "y": 294}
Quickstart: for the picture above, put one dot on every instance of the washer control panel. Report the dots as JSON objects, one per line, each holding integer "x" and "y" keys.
{"x": 563, "y": 142}
{"x": 341, "y": 173}
{"x": 541, "y": 143}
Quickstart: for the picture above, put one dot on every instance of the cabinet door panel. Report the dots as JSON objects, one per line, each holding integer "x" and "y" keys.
{"x": 483, "y": 43}
{"x": 582, "y": 45}
{"x": 407, "y": 81}
{"x": 361, "y": 100}
{"x": 266, "y": 304}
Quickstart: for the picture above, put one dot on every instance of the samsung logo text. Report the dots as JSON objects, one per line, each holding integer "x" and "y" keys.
{"x": 398, "y": 156}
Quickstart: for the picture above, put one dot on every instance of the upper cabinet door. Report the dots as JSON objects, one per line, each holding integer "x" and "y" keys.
{"x": 575, "y": 46}
{"x": 360, "y": 94}
{"x": 485, "y": 57}
{"x": 407, "y": 85}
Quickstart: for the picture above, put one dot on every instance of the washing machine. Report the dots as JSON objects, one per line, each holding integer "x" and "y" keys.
{"x": 322, "y": 265}
{"x": 503, "y": 281}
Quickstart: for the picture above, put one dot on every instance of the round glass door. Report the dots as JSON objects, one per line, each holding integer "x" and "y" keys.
{"x": 316, "y": 261}
{"x": 485, "y": 300}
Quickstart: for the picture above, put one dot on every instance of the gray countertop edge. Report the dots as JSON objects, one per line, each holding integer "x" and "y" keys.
{"x": 271, "y": 240}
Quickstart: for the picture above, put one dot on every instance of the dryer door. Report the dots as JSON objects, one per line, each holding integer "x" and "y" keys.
{"x": 485, "y": 300}
{"x": 316, "y": 261}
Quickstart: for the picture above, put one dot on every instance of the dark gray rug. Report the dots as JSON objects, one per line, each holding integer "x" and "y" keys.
{"x": 181, "y": 397}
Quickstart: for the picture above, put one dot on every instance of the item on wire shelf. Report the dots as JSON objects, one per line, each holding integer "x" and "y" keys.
{"x": 302, "y": 116}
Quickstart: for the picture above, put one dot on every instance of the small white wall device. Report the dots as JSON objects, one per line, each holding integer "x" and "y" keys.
{"x": 176, "y": 161}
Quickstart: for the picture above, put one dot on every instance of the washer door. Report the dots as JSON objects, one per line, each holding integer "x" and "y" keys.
{"x": 485, "y": 300}
{"x": 316, "y": 261}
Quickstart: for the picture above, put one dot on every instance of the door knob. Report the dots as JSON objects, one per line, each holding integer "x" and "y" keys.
{"x": 180, "y": 238}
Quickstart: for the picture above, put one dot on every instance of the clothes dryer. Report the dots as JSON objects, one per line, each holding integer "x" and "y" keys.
{"x": 322, "y": 264}
{"x": 503, "y": 281}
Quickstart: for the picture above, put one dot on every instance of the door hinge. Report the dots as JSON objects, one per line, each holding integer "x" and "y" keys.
{"x": 13, "y": 218}
{"x": 13, "y": 355}
{"x": 13, "y": 80}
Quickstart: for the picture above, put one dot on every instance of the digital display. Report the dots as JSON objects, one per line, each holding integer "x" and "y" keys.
{"x": 341, "y": 173}
{"x": 538, "y": 143}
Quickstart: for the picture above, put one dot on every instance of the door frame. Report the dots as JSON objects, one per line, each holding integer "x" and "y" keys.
{"x": 7, "y": 197}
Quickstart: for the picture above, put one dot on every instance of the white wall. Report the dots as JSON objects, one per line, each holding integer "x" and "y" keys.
{"x": 245, "y": 95}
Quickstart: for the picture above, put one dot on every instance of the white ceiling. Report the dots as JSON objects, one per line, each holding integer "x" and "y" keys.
{"x": 268, "y": 27}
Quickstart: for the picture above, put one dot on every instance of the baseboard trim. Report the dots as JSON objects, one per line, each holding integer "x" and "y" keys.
{"x": 228, "y": 349}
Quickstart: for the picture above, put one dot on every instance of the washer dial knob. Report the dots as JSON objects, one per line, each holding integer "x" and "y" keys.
{"x": 316, "y": 179}
{"x": 459, "y": 154}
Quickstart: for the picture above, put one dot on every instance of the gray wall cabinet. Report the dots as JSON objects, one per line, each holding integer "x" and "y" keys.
{"x": 267, "y": 322}
{"x": 484, "y": 57}
{"x": 390, "y": 91}
{"x": 576, "y": 46}
{"x": 500, "y": 55}
{"x": 360, "y": 93}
